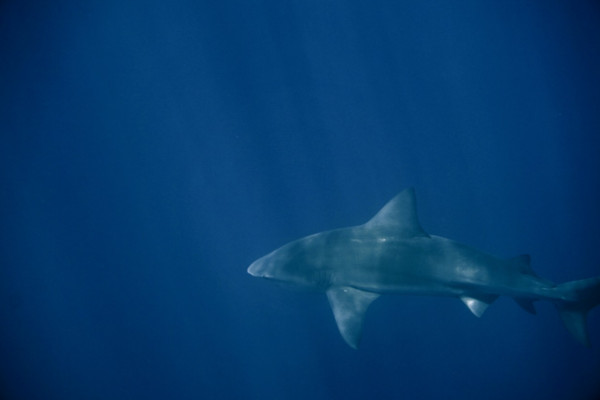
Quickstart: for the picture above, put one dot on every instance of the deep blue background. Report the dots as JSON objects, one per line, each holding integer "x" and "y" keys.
{"x": 150, "y": 151}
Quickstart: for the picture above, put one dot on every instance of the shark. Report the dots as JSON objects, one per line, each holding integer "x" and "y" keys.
{"x": 392, "y": 254}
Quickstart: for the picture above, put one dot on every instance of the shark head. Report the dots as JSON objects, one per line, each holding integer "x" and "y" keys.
{"x": 294, "y": 265}
{"x": 265, "y": 267}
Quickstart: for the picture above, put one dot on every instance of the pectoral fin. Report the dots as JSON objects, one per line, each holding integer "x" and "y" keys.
{"x": 478, "y": 305}
{"x": 349, "y": 306}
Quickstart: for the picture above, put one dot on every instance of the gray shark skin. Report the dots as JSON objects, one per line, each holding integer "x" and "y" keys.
{"x": 392, "y": 254}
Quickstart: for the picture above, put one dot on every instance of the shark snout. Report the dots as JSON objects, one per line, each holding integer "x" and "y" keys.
{"x": 252, "y": 269}
{"x": 264, "y": 267}
{"x": 255, "y": 269}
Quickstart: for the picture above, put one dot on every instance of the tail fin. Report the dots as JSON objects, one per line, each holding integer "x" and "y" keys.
{"x": 579, "y": 298}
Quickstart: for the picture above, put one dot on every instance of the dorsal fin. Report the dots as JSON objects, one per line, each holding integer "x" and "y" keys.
{"x": 399, "y": 215}
{"x": 523, "y": 264}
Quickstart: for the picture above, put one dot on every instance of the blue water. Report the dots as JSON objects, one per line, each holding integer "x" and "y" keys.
{"x": 150, "y": 151}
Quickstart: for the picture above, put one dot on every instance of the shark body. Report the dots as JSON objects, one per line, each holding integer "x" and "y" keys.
{"x": 392, "y": 254}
